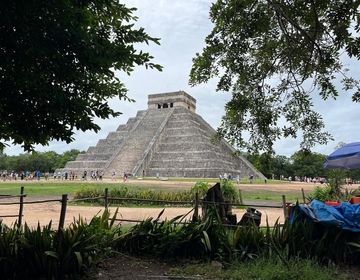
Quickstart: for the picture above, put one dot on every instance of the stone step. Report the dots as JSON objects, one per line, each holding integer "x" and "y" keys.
{"x": 178, "y": 131}
{"x": 103, "y": 150}
{"x": 93, "y": 157}
{"x": 85, "y": 164}
{"x": 200, "y": 172}
{"x": 121, "y": 128}
{"x": 117, "y": 135}
{"x": 109, "y": 142}
{"x": 187, "y": 146}
{"x": 191, "y": 163}
{"x": 182, "y": 123}
{"x": 185, "y": 138}
{"x": 192, "y": 155}
{"x": 90, "y": 149}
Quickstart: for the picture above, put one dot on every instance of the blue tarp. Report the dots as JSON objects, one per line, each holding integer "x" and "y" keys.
{"x": 345, "y": 216}
{"x": 346, "y": 157}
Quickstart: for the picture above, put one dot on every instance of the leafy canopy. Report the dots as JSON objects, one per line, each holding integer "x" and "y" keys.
{"x": 275, "y": 56}
{"x": 57, "y": 64}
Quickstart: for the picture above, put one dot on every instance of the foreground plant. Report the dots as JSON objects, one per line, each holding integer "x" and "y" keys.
{"x": 45, "y": 253}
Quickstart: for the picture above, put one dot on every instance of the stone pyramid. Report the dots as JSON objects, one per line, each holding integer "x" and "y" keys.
{"x": 169, "y": 140}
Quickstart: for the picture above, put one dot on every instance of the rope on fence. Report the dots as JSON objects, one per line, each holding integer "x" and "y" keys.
{"x": 31, "y": 202}
{"x": 12, "y": 196}
{"x": 150, "y": 200}
{"x": 9, "y": 216}
{"x": 87, "y": 198}
{"x": 133, "y": 199}
{"x": 239, "y": 204}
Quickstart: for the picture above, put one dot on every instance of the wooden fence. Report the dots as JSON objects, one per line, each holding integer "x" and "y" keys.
{"x": 64, "y": 199}
{"x": 195, "y": 203}
{"x": 21, "y": 204}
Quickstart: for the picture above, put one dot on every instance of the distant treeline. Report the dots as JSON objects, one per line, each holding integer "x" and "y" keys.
{"x": 45, "y": 162}
{"x": 301, "y": 164}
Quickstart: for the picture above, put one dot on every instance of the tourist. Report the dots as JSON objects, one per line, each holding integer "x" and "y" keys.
{"x": 251, "y": 178}
{"x": 125, "y": 177}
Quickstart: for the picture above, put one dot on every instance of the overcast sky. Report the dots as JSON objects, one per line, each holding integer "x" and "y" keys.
{"x": 182, "y": 26}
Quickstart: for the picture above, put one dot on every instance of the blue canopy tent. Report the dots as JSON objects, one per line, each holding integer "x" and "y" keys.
{"x": 346, "y": 157}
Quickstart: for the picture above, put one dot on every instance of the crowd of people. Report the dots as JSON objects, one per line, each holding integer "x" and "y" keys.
{"x": 60, "y": 175}
{"x": 304, "y": 179}
{"x": 99, "y": 174}
{"x": 23, "y": 175}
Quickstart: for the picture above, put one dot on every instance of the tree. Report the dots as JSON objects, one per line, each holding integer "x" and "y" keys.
{"x": 66, "y": 157}
{"x": 45, "y": 162}
{"x": 306, "y": 163}
{"x": 57, "y": 66}
{"x": 282, "y": 167}
{"x": 275, "y": 56}
{"x": 262, "y": 162}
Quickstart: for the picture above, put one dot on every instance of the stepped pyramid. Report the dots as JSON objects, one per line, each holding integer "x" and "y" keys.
{"x": 169, "y": 140}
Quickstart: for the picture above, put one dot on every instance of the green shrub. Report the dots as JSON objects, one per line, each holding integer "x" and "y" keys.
{"x": 336, "y": 179}
{"x": 200, "y": 187}
{"x": 355, "y": 192}
{"x": 167, "y": 239}
{"x": 324, "y": 193}
{"x": 229, "y": 191}
{"x": 125, "y": 192}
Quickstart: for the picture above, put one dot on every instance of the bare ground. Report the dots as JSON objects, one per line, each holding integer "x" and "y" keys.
{"x": 43, "y": 213}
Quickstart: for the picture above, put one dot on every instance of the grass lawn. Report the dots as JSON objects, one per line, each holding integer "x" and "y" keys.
{"x": 57, "y": 188}
{"x": 272, "y": 196}
{"x": 262, "y": 269}
{"x": 43, "y": 188}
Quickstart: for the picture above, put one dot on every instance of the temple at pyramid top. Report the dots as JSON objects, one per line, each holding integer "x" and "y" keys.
{"x": 172, "y": 100}
{"x": 169, "y": 140}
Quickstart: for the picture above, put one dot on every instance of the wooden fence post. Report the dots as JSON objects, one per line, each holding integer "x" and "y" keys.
{"x": 106, "y": 198}
{"x": 63, "y": 211}
{"x": 284, "y": 207}
{"x": 21, "y": 206}
{"x": 196, "y": 207}
{"x": 303, "y": 195}
{"x": 240, "y": 197}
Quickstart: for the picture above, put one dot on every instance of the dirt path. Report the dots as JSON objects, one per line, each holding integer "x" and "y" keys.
{"x": 43, "y": 213}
